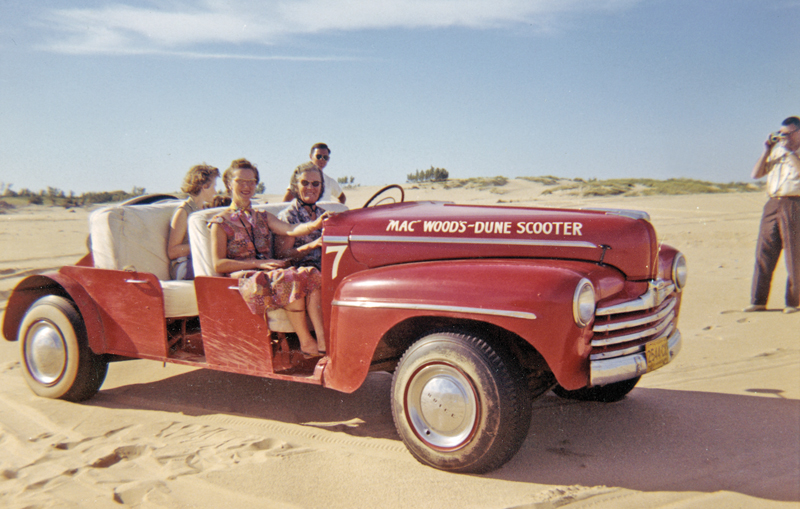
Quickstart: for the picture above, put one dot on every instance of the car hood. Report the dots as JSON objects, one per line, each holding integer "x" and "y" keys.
{"x": 423, "y": 231}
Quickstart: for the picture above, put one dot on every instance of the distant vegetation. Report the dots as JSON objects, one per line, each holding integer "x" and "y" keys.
{"x": 430, "y": 175}
{"x": 476, "y": 183}
{"x": 639, "y": 187}
{"x": 346, "y": 181}
{"x": 436, "y": 176}
{"x": 55, "y": 196}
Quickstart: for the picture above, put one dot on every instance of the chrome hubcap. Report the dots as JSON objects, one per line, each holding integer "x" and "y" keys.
{"x": 442, "y": 406}
{"x": 45, "y": 352}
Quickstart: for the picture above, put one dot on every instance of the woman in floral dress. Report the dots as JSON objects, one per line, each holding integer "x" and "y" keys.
{"x": 242, "y": 247}
{"x": 307, "y": 184}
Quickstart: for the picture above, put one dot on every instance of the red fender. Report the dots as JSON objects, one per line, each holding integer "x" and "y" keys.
{"x": 530, "y": 298}
{"x": 32, "y": 288}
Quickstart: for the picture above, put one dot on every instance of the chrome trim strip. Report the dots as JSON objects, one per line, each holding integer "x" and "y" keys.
{"x": 616, "y": 353}
{"x": 628, "y": 351}
{"x": 658, "y": 329}
{"x": 334, "y": 239}
{"x": 657, "y": 292}
{"x": 432, "y": 307}
{"x": 639, "y": 321}
{"x": 633, "y": 214}
{"x": 604, "y": 372}
{"x": 464, "y": 240}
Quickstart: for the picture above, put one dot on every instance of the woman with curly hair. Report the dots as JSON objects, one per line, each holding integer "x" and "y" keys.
{"x": 200, "y": 184}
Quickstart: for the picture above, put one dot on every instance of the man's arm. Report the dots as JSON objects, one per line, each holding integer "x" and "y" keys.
{"x": 764, "y": 165}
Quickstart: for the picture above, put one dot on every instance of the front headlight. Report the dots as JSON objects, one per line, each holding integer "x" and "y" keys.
{"x": 583, "y": 303}
{"x": 679, "y": 271}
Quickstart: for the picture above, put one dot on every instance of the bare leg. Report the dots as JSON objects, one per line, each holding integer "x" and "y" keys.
{"x": 296, "y": 311}
{"x": 314, "y": 308}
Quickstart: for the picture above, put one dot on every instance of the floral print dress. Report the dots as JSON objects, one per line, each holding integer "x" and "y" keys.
{"x": 263, "y": 290}
{"x": 295, "y": 214}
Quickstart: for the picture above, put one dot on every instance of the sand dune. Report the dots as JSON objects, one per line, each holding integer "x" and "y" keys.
{"x": 719, "y": 427}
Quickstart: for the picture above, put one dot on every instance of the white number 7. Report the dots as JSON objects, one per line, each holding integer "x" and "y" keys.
{"x": 339, "y": 250}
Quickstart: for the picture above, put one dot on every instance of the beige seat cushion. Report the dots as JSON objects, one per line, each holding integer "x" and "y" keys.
{"x": 179, "y": 299}
{"x": 134, "y": 237}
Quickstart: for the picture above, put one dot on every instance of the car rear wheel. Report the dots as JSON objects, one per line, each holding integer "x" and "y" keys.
{"x": 460, "y": 405}
{"x": 601, "y": 393}
{"x": 56, "y": 359}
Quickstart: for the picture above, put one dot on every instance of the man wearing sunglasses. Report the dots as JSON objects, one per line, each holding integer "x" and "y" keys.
{"x": 780, "y": 223}
{"x": 320, "y": 155}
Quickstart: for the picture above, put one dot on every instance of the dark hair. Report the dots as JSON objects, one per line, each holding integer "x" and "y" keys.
{"x": 294, "y": 181}
{"x": 792, "y": 121}
{"x": 238, "y": 164}
{"x": 320, "y": 146}
{"x": 197, "y": 178}
{"x": 219, "y": 200}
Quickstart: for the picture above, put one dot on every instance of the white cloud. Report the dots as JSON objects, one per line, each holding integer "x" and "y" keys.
{"x": 182, "y": 27}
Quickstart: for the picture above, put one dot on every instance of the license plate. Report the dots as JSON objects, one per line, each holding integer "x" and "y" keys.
{"x": 657, "y": 354}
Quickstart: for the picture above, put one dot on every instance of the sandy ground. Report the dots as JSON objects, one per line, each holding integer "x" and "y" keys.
{"x": 718, "y": 427}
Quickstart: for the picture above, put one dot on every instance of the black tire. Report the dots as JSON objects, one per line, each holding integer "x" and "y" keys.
{"x": 459, "y": 405}
{"x": 56, "y": 359}
{"x": 601, "y": 393}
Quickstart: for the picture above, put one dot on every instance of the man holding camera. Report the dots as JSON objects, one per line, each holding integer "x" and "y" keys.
{"x": 780, "y": 223}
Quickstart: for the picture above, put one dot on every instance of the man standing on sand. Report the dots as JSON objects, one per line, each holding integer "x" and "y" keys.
{"x": 320, "y": 155}
{"x": 780, "y": 223}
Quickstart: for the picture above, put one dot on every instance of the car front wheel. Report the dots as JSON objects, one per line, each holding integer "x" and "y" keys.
{"x": 56, "y": 359}
{"x": 458, "y": 404}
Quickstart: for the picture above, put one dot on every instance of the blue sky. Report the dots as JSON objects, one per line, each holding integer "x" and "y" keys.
{"x": 98, "y": 95}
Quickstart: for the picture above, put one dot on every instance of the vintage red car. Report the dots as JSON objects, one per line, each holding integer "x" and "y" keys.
{"x": 475, "y": 309}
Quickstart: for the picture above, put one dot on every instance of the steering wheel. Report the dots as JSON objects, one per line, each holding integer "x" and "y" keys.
{"x": 380, "y": 192}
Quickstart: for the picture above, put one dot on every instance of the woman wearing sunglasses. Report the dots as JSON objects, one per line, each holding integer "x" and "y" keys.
{"x": 241, "y": 241}
{"x": 307, "y": 184}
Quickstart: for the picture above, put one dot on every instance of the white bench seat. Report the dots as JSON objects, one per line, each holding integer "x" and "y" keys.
{"x": 179, "y": 299}
{"x": 134, "y": 237}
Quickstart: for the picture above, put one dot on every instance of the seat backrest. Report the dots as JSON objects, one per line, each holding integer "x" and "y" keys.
{"x": 200, "y": 233}
{"x": 132, "y": 237}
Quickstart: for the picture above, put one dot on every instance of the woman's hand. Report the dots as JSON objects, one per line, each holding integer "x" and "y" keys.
{"x": 314, "y": 244}
{"x": 317, "y": 223}
{"x": 295, "y": 230}
{"x": 271, "y": 264}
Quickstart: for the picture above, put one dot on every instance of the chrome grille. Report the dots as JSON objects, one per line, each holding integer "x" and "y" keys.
{"x": 623, "y": 329}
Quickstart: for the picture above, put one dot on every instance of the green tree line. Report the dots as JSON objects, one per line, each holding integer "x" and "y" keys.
{"x": 58, "y": 197}
{"x": 430, "y": 175}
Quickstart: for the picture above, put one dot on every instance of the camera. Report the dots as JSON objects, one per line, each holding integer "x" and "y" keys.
{"x": 776, "y": 137}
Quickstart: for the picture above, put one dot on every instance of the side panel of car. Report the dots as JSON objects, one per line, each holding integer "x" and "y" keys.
{"x": 529, "y": 299}
{"x": 131, "y": 308}
{"x": 32, "y": 288}
{"x": 234, "y": 339}
{"x": 337, "y": 263}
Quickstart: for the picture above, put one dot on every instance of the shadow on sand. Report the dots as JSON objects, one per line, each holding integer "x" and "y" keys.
{"x": 654, "y": 440}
